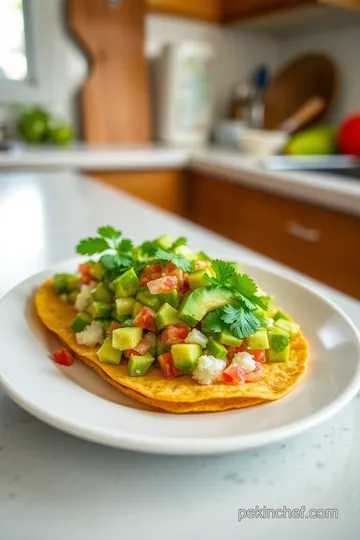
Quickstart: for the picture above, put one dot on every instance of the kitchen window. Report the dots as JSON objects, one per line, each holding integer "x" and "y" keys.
{"x": 15, "y": 59}
{"x": 24, "y": 51}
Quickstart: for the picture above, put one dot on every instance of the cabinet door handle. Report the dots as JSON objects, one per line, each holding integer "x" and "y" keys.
{"x": 304, "y": 233}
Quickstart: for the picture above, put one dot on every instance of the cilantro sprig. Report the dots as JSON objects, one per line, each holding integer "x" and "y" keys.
{"x": 118, "y": 250}
{"x": 179, "y": 260}
{"x": 243, "y": 318}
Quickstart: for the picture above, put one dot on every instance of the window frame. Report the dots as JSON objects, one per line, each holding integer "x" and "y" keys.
{"x": 38, "y": 85}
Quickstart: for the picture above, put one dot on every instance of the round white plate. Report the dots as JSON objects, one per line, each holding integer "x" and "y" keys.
{"x": 79, "y": 402}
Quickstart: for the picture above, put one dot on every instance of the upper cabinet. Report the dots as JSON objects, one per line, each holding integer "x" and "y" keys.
{"x": 228, "y": 11}
{"x": 235, "y": 10}
{"x": 206, "y": 10}
{"x": 243, "y": 9}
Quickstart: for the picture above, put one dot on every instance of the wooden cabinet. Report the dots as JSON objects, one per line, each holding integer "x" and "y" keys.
{"x": 244, "y": 9}
{"x": 164, "y": 188}
{"x": 236, "y": 10}
{"x": 317, "y": 241}
{"x": 208, "y": 10}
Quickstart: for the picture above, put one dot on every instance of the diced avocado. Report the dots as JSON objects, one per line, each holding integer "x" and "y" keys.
{"x": 127, "y": 284}
{"x": 102, "y": 293}
{"x": 72, "y": 282}
{"x": 201, "y": 301}
{"x": 66, "y": 283}
{"x": 202, "y": 256}
{"x": 186, "y": 355}
{"x": 227, "y": 338}
{"x": 136, "y": 308}
{"x": 165, "y": 316}
{"x": 60, "y": 283}
{"x": 259, "y": 340}
{"x": 170, "y": 297}
{"x": 279, "y": 341}
{"x": 97, "y": 271}
{"x": 291, "y": 327}
{"x": 150, "y": 300}
{"x": 72, "y": 297}
{"x": 100, "y": 310}
{"x": 126, "y": 338}
{"x": 140, "y": 365}
{"x": 108, "y": 355}
{"x": 165, "y": 241}
{"x": 186, "y": 252}
{"x": 80, "y": 322}
{"x": 268, "y": 301}
{"x": 161, "y": 348}
{"x": 124, "y": 306}
{"x": 216, "y": 349}
{"x": 199, "y": 278}
{"x": 280, "y": 314}
{"x": 126, "y": 321}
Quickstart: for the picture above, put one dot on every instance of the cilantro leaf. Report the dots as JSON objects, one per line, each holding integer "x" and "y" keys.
{"x": 125, "y": 246}
{"x": 242, "y": 323}
{"x": 109, "y": 232}
{"x": 243, "y": 284}
{"x": 148, "y": 249}
{"x": 246, "y": 288}
{"x": 91, "y": 246}
{"x": 179, "y": 260}
{"x": 279, "y": 342}
{"x": 224, "y": 272}
{"x": 181, "y": 241}
{"x": 213, "y": 323}
{"x": 110, "y": 262}
{"x": 116, "y": 261}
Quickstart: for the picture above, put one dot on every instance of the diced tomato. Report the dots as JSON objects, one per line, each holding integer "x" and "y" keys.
{"x": 151, "y": 272}
{"x": 258, "y": 354}
{"x": 167, "y": 366}
{"x": 234, "y": 374}
{"x": 131, "y": 352}
{"x": 172, "y": 270}
{"x": 255, "y": 375}
{"x": 145, "y": 319}
{"x": 163, "y": 284}
{"x": 84, "y": 271}
{"x": 201, "y": 264}
{"x": 175, "y": 334}
{"x": 63, "y": 357}
{"x": 146, "y": 343}
{"x": 113, "y": 326}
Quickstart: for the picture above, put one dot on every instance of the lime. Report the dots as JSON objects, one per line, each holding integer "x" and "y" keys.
{"x": 60, "y": 133}
{"x": 33, "y": 124}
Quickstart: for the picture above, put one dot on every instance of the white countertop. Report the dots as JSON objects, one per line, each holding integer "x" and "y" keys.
{"x": 54, "y": 486}
{"x": 324, "y": 189}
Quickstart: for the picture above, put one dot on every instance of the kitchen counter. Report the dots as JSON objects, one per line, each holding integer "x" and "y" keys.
{"x": 55, "y": 486}
{"x": 324, "y": 189}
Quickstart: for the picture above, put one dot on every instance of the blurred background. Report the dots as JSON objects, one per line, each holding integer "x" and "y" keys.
{"x": 210, "y": 109}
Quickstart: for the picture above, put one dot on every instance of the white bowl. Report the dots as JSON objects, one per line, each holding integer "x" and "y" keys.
{"x": 259, "y": 142}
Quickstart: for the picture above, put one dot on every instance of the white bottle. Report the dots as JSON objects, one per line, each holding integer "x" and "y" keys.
{"x": 184, "y": 93}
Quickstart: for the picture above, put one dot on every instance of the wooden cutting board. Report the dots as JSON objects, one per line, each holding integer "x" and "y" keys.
{"x": 115, "y": 98}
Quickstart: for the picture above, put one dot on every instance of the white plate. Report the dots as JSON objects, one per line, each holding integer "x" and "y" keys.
{"x": 79, "y": 402}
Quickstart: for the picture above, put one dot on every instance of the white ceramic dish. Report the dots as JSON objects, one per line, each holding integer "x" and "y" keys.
{"x": 262, "y": 143}
{"x": 79, "y": 402}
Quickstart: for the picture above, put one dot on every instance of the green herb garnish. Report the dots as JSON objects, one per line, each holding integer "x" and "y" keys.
{"x": 179, "y": 260}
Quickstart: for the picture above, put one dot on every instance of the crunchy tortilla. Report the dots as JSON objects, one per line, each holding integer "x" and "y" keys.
{"x": 181, "y": 394}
